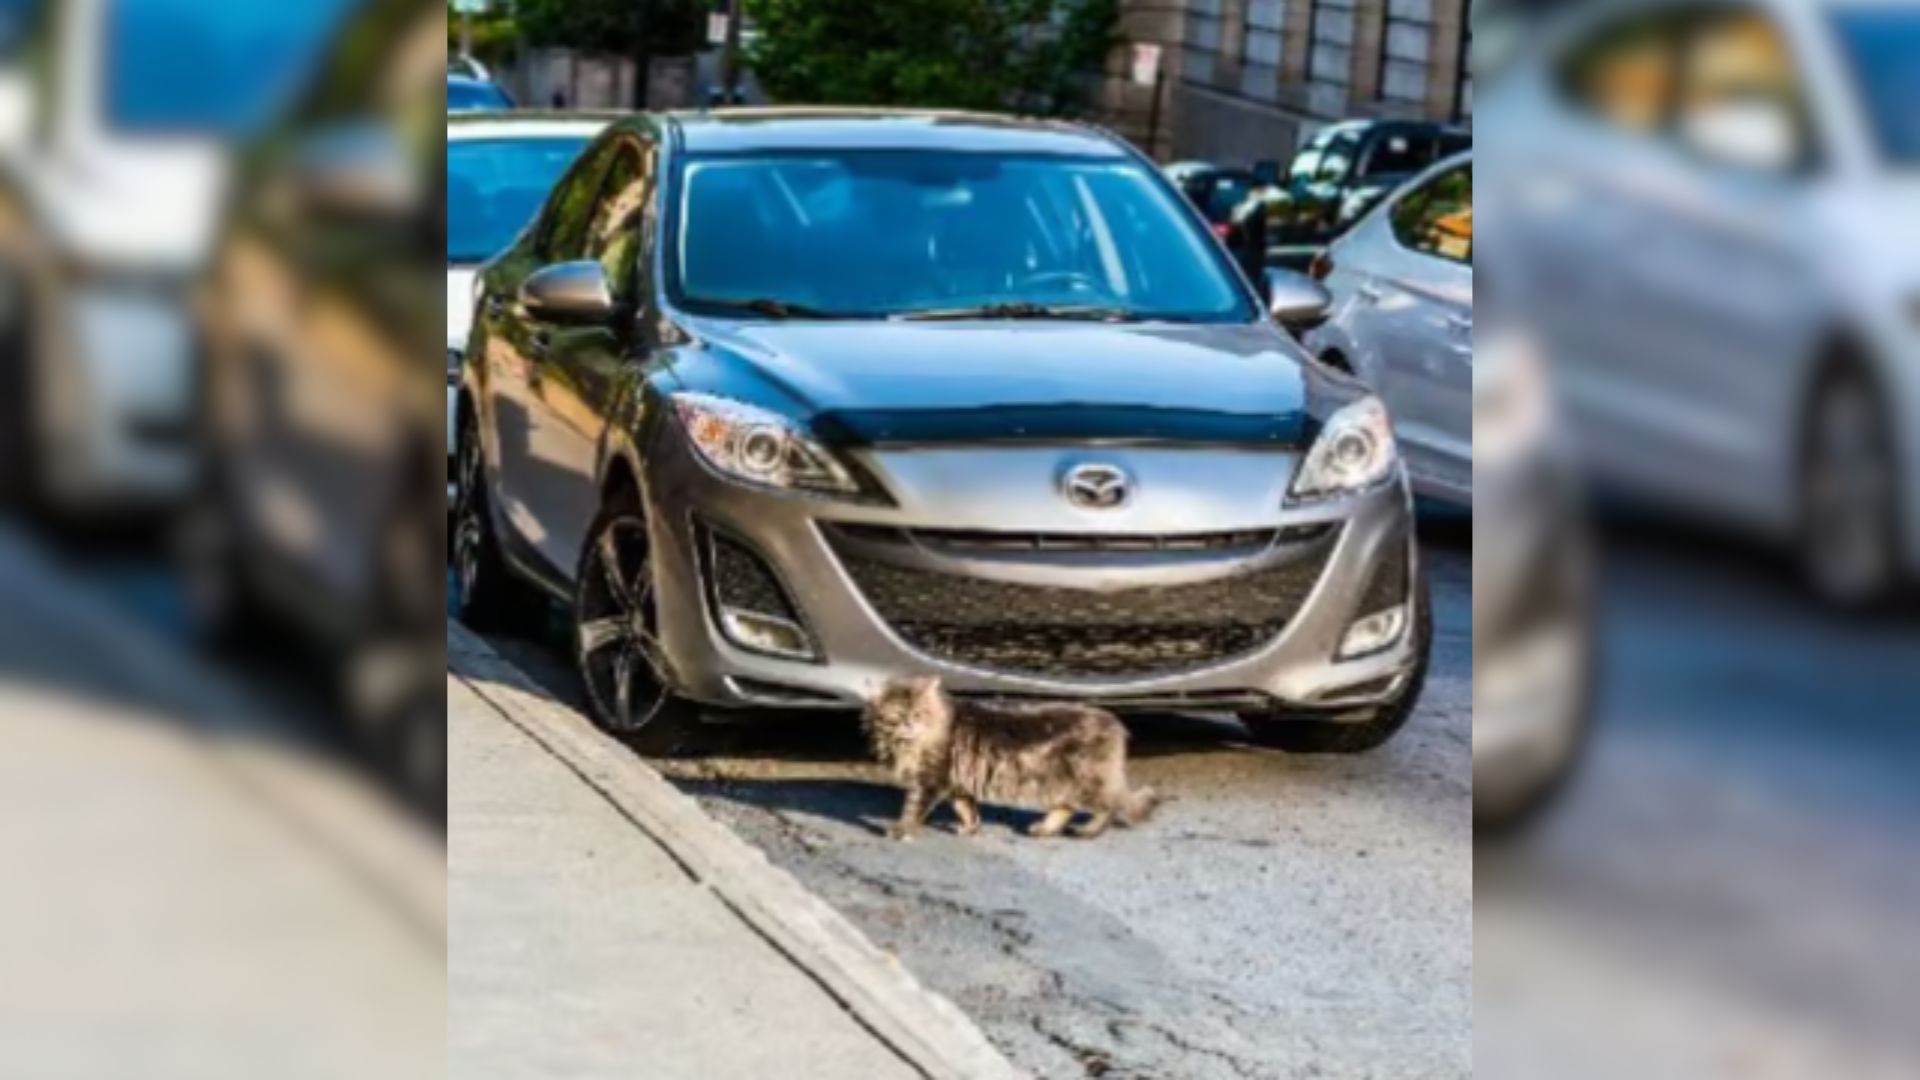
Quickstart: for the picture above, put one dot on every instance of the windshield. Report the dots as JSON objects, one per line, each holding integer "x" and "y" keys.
{"x": 495, "y": 186}
{"x": 1881, "y": 44}
{"x": 470, "y": 96}
{"x": 867, "y": 234}
{"x": 210, "y": 67}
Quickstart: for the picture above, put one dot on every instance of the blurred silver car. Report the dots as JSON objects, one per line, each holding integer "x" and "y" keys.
{"x": 1708, "y": 212}
{"x": 1402, "y": 320}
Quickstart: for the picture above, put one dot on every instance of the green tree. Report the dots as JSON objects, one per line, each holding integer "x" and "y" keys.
{"x": 1030, "y": 55}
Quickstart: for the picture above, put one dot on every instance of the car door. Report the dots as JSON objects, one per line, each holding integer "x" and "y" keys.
{"x": 1421, "y": 295}
{"x": 585, "y": 366}
{"x": 528, "y": 452}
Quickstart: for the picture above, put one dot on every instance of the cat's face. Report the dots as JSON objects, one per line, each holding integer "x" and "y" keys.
{"x": 904, "y": 710}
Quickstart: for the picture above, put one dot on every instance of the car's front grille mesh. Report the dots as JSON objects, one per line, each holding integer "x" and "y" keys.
{"x": 1077, "y": 633}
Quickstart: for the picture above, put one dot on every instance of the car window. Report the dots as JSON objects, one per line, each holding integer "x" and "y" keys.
{"x": 1338, "y": 159}
{"x": 1400, "y": 152}
{"x": 615, "y": 234}
{"x": 1738, "y": 99}
{"x": 1880, "y": 44}
{"x": 1626, "y": 74}
{"x": 476, "y": 97}
{"x": 495, "y": 186}
{"x": 563, "y": 236}
{"x": 1437, "y": 217}
{"x": 876, "y": 233}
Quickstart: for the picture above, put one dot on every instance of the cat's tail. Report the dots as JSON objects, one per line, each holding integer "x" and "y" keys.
{"x": 1139, "y": 804}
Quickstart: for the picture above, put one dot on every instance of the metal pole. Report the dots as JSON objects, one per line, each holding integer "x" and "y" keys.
{"x": 730, "y": 60}
{"x": 466, "y": 33}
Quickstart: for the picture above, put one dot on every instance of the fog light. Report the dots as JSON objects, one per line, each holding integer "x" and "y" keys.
{"x": 1373, "y": 633}
{"x": 765, "y": 633}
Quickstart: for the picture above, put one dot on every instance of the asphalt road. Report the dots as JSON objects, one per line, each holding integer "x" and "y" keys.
{"x": 1284, "y": 916}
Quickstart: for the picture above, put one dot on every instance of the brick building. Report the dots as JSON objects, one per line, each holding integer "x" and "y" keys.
{"x": 1247, "y": 79}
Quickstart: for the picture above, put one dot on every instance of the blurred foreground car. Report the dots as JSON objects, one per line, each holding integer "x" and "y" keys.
{"x": 320, "y": 505}
{"x": 500, "y": 169}
{"x": 784, "y": 404}
{"x": 1221, "y": 195}
{"x": 116, "y": 125}
{"x": 1534, "y": 628}
{"x": 1343, "y": 172}
{"x": 1713, "y": 211}
{"x": 468, "y": 94}
{"x": 1402, "y": 285}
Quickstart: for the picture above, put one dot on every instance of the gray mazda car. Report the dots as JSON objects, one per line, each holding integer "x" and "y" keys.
{"x": 783, "y": 404}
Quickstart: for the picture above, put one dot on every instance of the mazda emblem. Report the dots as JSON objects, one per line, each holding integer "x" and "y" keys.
{"x": 1096, "y": 487}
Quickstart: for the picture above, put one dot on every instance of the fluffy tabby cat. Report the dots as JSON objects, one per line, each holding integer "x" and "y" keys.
{"x": 1062, "y": 758}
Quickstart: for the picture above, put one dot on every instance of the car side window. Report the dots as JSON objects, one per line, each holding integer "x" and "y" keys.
{"x": 1437, "y": 218}
{"x": 1739, "y": 100}
{"x": 1626, "y": 74}
{"x": 1337, "y": 162}
{"x": 563, "y": 235}
{"x": 1399, "y": 152}
{"x": 615, "y": 232}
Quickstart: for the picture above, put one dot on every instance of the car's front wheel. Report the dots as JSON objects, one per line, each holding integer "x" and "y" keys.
{"x": 1850, "y": 493}
{"x": 1353, "y": 734}
{"x": 616, "y": 643}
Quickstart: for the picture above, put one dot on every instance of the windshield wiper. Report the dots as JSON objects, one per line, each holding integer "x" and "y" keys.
{"x": 771, "y": 308}
{"x": 1021, "y": 310}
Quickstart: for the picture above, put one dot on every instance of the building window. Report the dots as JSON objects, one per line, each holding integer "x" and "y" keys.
{"x": 1406, "y": 51}
{"x": 1330, "y": 56}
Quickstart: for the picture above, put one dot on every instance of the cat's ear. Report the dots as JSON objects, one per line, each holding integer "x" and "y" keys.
{"x": 926, "y": 690}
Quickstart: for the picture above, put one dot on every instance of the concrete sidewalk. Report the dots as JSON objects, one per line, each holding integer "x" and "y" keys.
{"x": 189, "y": 888}
{"x": 580, "y": 946}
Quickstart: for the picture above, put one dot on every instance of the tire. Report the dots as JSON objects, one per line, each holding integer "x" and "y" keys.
{"x": 487, "y": 594}
{"x": 1850, "y": 528}
{"x": 225, "y": 611}
{"x": 1555, "y": 643}
{"x": 1297, "y": 735}
{"x": 627, "y": 677}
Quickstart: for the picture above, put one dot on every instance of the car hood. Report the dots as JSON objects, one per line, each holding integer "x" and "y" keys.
{"x": 459, "y": 305}
{"x": 932, "y": 382}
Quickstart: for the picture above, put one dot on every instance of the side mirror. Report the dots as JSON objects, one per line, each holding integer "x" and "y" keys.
{"x": 1296, "y": 301}
{"x": 1749, "y": 133}
{"x": 568, "y": 292}
{"x": 356, "y": 170}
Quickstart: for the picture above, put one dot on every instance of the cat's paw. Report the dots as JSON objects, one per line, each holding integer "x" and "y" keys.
{"x": 967, "y": 830}
{"x": 900, "y": 832}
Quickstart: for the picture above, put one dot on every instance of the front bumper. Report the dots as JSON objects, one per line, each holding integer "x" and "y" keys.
{"x": 849, "y": 570}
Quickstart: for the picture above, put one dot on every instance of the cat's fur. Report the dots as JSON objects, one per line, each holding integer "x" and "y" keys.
{"x": 1062, "y": 758}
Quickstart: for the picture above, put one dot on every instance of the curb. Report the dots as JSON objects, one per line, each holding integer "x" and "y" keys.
{"x": 924, "y": 1028}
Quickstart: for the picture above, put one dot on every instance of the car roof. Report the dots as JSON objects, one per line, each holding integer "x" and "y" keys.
{"x": 527, "y": 124}
{"x": 739, "y": 130}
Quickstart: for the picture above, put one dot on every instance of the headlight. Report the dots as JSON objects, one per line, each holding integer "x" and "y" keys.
{"x": 761, "y": 447}
{"x": 1355, "y": 451}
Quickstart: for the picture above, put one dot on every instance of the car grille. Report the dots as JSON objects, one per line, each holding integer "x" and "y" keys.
{"x": 1060, "y": 632}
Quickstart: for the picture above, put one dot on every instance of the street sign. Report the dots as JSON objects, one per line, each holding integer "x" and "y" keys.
{"x": 471, "y": 7}
{"x": 1146, "y": 63}
{"x": 717, "y": 28}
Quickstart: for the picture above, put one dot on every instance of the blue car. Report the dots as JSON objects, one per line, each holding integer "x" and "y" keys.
{"x": 466, "y": 94}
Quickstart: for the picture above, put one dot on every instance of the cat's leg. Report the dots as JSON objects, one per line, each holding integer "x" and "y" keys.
{"x": 969, "y": 813}
{"x": 1094, "y": 825}
{"x": 1052, "y": 825}
{"x": 911, "y": 815}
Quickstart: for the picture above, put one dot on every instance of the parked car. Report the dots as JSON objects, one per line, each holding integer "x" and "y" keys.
{"x": 117, "y": 122}
{"x": 467, "y": 67}
{"x": 1343, "y": 172}
{"x": 1402, "y": 285}
{"x": 466, "y": 93}
{"x": 782, "y": 404}
{"x": 1712, "y": 207}
{"x": 500, "y": 169}
{"x": 319, "y": 506}
{"x": 1221, "y": 195}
